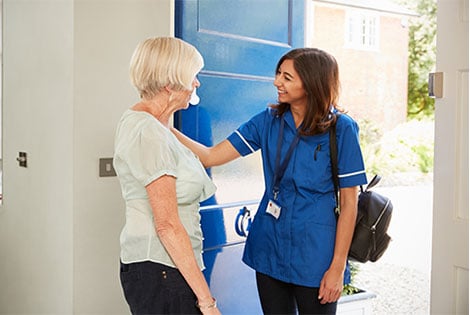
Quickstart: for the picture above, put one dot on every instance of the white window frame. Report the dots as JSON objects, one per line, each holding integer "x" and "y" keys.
{"x": 362, "y": 30}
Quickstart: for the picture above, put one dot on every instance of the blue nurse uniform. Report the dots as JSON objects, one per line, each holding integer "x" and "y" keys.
{"x": 297, "y": 247}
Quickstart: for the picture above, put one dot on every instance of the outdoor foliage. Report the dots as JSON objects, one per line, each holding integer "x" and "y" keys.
{"x": 407, "y": 149}
{"x": 349, "y": 289}
{"x": 422, "y": 56}
{"x": 403, "y": 154}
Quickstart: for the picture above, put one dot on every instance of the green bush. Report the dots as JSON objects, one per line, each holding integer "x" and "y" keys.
{"x": 408, "y": 148}
{"x": 426, "y": 157}
{"x": 349, "y": 289}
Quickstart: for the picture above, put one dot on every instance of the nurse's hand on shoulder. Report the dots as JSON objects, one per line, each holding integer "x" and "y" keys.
{"x": 331, "y": 286}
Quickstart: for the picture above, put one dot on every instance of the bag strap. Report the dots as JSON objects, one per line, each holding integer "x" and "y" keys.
{"x": 334, "y": 166}
{"x": 334, "y": 163}
{"x": 373, "y": 182}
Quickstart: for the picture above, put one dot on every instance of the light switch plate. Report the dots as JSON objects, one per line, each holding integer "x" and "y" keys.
{"x": 106, "y": 167}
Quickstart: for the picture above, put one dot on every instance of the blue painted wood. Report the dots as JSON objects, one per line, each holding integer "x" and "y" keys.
{"x": 241, "y": 42}
{"x": 242, "y": 36}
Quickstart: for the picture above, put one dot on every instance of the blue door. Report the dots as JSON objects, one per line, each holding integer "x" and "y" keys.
{"x": 241, "y": 42}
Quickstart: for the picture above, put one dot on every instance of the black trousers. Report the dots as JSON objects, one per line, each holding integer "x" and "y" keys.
{"x": 152, "y": 288}
{"x": 279, "y": 297}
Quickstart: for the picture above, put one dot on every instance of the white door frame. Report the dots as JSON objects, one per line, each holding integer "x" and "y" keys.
{"x": 449, "y": 272}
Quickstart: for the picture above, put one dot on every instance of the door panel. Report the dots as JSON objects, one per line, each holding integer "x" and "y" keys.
{"x": 261, "y": 26}
{"x": 241, "y": 42}
{"x": 241, "y": 37}
{"x": 232, "y": 106}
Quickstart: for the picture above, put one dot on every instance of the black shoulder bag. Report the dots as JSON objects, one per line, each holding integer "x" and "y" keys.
{"x": 374, "y": 212}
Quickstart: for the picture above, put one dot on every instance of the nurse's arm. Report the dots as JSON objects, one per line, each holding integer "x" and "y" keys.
{"x": 332, "y": 283}
{"x": 216, "y": 155}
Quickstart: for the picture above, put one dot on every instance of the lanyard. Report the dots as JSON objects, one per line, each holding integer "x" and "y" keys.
{"x": 280, "y": 169}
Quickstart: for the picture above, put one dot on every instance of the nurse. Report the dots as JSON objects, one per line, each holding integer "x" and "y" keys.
{"x": 297, "y": 245}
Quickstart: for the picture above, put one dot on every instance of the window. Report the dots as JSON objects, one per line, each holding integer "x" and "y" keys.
{"x": 362, "y": 30}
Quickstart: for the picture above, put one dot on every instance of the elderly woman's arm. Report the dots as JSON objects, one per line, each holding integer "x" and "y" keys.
{"x": 175, "y": 239}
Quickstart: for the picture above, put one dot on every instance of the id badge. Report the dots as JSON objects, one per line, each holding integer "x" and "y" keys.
{"x": 273, "y": 209}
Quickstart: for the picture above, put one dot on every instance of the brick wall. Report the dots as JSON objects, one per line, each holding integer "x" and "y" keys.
{"x": 374, "y": 83}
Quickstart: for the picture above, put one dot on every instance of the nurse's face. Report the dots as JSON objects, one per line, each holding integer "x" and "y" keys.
{"x": 289, "y": 85}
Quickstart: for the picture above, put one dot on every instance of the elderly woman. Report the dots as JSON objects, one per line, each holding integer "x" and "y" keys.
{"x": 162, "y": 184}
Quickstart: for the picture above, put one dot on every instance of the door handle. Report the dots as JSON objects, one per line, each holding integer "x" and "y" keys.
{"x": 243, "y": 222}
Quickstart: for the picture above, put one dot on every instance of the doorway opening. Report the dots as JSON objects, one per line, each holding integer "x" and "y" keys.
{"x": 385, "y": 50}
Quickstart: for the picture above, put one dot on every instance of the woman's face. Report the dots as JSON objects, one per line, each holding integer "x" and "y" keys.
{"x": 181, "y": 99}
{"x": 289, "y": 85}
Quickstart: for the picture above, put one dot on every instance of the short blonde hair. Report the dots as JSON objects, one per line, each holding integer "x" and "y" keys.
{"x": 164, "y": 61}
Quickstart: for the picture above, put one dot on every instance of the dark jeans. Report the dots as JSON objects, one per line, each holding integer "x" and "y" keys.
{"x": 279, "y": 297}
{"x": 152, "y": 288}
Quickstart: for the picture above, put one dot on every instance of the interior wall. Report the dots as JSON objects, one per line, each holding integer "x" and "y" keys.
{"x": 36, "y": 216}
{"x": 106, "y": 33}
{"x": 65, "y": 87}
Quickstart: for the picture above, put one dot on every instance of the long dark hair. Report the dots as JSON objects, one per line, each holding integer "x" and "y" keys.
{"x": 319, "y": 73}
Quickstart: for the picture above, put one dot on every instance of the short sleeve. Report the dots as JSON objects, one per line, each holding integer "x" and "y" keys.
{"x": 247, "y": 138}
{"x": 150, "y": 155}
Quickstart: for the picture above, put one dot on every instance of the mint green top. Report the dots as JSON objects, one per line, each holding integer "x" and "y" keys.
{"x": 144, "y": 151}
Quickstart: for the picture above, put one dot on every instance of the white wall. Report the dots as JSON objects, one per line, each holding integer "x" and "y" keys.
{"x": 65, "y": 87}
{"x": 36, "y": 217}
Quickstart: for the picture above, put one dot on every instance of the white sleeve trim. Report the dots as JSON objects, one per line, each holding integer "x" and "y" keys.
{"x": 351, "y": 174}
{"x": 244, "y": 141}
